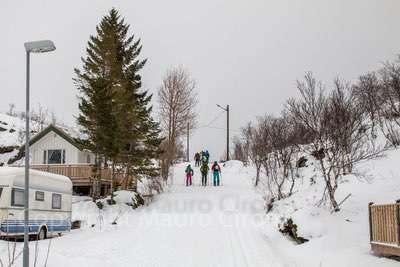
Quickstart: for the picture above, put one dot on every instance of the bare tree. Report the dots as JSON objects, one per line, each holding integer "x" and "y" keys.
{"x": 367, "y": 91}
{"x": 40, "y": 116}
{"x": 379, "y": 95}
{"x": 337, "y": 123}
{"x": 53, "y": 118}
{"x": 283, "y": 140}
{"x": 390, "y": 108}
{"x": 276, "y": 148}
{"x": 11, "y": 108}
{"x": 246, "y": 137}
{"x": 252, "y": 136}
{"x": 238, "y": 150}
{"x": 261, "y": 148}
{"x": 242, "y": 145}
{"x": 177, "y": 102}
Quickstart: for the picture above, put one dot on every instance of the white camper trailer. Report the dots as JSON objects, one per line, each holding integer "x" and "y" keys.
{"x": 50, "y": 198}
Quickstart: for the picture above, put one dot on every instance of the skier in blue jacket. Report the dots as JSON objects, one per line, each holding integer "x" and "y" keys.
{"x": 216, "y": 169}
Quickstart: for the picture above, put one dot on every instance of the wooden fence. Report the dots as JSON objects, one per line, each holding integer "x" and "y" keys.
{"x": 384, "y": 225}
{"x": 74, "y": 171}
{"x": 82, "y": 174}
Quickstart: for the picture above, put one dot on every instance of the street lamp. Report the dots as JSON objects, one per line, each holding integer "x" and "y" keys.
{"x": 30, "y": 47}
{"x": 227, "y": 129}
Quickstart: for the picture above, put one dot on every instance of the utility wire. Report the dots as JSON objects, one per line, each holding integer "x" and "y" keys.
{"x": 212, "y": 121}
{"x": 209, "y": 125}
{"x": 220, "y": 128}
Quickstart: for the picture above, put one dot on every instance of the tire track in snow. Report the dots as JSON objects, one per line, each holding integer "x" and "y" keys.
{"x": 232, "y": 246}
{"x": 242, "y": 250}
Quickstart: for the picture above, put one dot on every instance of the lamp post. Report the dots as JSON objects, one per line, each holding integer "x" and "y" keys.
{"x": 227, "y": 129}
{"x": 30, "y": 47}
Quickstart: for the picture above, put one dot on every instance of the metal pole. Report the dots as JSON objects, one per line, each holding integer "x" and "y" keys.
{"x": 26, "y": 188}
{"x": 398, "y": 220}
{"x": 187, "y": 144}
{"x": 227, "y": 133}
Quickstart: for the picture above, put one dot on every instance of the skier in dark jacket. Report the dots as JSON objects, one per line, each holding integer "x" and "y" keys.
{"x": 189, "y": 174}
{"x": 207, "y": 154}
{"x": 197, "y": 159}
{"x": 204, "y": 172}
{"x": 216, "y": 169}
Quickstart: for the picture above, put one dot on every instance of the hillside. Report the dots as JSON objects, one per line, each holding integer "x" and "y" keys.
{"x": 12, "y": 134}
{"x": 338, "y": 239}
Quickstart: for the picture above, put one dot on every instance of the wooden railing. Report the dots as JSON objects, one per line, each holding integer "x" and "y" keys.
{"x": 79, "y": 173}
{"x": 73, "y": 171}
{"x": 384, "y": 222}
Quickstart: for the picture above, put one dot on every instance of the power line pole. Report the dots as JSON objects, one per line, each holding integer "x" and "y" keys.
{"x": 227, "y": 129}
{"x": 227, "y": 133}
{"x": 187, "y": 143}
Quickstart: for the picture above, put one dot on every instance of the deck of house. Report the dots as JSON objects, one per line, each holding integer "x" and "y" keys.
{"x": 83, "y": 175}
{"x": 384, "y": 221}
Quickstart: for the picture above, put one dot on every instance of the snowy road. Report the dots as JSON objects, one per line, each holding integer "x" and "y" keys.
{"x": 195, "y": 226}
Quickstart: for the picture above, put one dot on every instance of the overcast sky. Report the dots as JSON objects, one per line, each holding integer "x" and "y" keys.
{"x": 244, "y": 53}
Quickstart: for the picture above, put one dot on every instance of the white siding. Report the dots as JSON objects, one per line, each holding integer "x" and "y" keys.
{"x": 54, "y": 141}
{"x": 86, "y": 157}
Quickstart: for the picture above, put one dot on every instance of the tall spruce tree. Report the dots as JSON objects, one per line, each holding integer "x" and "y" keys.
{"x": 115, "y": 113}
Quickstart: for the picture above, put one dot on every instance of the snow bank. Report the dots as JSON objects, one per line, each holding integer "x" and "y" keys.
{"x": 97, "y": 215}
{"x": 233, "y": 164}
{"x": 336, "y": 239}
{"x": 85, "y": 211}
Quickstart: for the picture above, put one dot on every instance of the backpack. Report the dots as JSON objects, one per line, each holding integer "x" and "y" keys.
{"x": 204, "y": 168}
{"x": 216, "y": 167}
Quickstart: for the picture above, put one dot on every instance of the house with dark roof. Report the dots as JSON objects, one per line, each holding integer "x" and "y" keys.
{"x": 53, "y": 150}
{"x": 54, "y": 146}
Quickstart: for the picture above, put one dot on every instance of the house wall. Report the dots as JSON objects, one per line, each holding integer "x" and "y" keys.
{"x": 86, "y": 157}
{"x": 54, "y": 141}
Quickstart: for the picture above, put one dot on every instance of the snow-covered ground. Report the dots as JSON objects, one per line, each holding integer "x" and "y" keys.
{"x": 227, "y": 225}
{"x": 11, "y": 127}
{"x": 338, "y": 239}
{"x": 186, "y": 226}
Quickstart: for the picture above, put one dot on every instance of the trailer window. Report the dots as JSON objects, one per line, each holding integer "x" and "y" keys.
{"x": 17, "y": 197}
{"x": 56, "y": 201}
{"x": 39, "y": 196}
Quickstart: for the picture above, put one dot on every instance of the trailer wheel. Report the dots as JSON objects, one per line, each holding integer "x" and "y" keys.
{"x": 42, "y": 233}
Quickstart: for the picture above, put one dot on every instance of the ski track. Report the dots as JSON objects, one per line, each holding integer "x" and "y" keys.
{"x": 229, "y": 238}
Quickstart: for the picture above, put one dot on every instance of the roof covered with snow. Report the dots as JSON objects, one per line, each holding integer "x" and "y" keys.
{"x": 15, "y": 176}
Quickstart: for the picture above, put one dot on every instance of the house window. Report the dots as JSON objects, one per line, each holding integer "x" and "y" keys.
{"x": 88, "y": 159}
{"x": 39, "y": 196}
{"x": 56, "y": 201}
{"x": 17, "y": 197}
{"x": 54, "y": 156}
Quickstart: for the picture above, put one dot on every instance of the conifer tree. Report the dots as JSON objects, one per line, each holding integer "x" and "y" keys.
{"x": 114, "y": 110}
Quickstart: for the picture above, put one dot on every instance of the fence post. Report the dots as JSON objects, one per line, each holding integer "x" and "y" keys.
{"x": 370, "y": 220}
{"x": 398, "y": 221}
